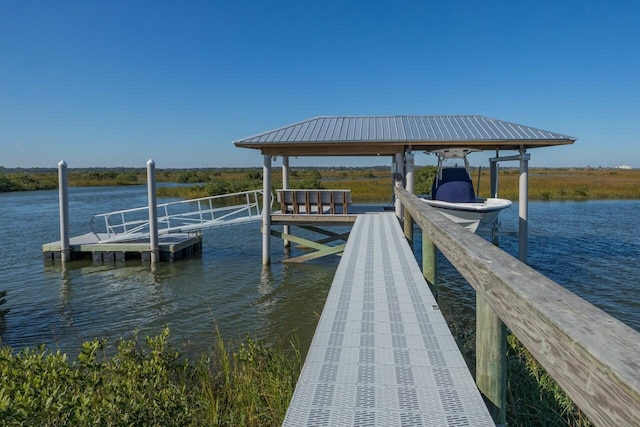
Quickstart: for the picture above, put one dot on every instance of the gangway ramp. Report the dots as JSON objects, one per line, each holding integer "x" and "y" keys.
{"x": 184, "y": 216}
{"x": 382, "y": 354}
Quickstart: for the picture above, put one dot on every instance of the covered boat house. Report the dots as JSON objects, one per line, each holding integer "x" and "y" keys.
{"x": 396, "y": 137}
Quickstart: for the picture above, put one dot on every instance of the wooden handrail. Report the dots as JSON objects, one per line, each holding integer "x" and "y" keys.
{"x": 594, "y": 357}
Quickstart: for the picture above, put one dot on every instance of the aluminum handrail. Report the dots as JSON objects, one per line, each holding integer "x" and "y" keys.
{"x": 178, "y": 217}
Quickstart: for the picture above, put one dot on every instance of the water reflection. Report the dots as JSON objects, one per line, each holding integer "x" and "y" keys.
{"x": 266, "y": 281}
{"x": 65, "y": 296}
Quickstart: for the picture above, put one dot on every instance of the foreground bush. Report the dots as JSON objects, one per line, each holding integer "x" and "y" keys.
{"x": 146, "y": 385}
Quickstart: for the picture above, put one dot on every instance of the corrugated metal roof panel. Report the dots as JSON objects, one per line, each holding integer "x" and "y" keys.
{"x": 427, "y": 129}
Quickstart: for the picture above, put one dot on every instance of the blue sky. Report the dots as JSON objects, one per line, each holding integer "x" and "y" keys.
{"x": 114, "y": 83}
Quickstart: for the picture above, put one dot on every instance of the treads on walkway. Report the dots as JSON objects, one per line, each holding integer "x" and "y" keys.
{"x": 382, "y": 354}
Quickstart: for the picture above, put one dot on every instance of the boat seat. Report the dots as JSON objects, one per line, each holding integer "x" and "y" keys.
{"x": 455, "y": 186}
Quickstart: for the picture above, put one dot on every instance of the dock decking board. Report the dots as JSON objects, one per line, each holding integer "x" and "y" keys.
{"x": 382, "y": 354}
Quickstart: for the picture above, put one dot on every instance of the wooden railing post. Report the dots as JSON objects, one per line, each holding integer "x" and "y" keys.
{"x": 491, "y": 360}
{"x": 430, "y": 263}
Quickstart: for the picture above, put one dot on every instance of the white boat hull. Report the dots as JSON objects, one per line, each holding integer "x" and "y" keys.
{"x": 472, "y": 216}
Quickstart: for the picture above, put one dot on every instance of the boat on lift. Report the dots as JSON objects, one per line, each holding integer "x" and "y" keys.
{"x": 452, "y": 193}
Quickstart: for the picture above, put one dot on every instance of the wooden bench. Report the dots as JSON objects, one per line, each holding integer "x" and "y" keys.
{"x": 314, "y": 201}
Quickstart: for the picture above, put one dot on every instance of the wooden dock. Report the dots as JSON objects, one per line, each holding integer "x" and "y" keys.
{"x": 172, "y": 247}
{"x": 591, "y": 355}
{"x": 382, "y": 354}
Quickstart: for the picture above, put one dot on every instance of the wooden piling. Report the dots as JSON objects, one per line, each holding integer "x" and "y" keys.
{"x": 491, "y": 360}
{"x": 430, "y": 263}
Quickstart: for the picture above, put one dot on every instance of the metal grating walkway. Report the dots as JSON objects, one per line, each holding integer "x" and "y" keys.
{"x": 382, "y": 354}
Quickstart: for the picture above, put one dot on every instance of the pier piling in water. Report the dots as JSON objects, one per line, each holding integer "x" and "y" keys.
{"x": 63, "y": 190}
{"x": 153, "y": 211}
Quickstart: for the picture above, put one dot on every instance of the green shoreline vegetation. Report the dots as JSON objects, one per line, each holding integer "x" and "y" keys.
{"x": 150, "y": 384}
{"x": 371, "y": 184}
{"x": 146, "y": 382}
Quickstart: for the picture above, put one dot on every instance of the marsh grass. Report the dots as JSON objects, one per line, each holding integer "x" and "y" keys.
{"x": 251, "y": 386}
{"x": 376, "y": 186}
{"x": 533, "y": 397}
{"x": 568, "y": 184}
{"x": 366, "y": 184}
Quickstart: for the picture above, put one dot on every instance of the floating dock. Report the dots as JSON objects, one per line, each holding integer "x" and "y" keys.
{"x": 172, "y": 247}
{"x": 139, "y": 233}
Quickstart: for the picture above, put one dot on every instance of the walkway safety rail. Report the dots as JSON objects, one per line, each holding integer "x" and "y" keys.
{"x": 594, "y": 357}
{"x": 180, "y": 217}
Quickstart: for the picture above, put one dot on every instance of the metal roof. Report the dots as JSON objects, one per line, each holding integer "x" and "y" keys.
{"x": 337, "y": 134}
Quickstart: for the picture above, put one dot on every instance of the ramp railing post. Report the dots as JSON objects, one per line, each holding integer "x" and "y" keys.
{"x": 63, "y": 191}
{"x": 154, "y": 248}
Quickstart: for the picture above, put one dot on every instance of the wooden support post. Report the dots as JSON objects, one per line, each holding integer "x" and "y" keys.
{"x": 398, "y": 173}
{"x": 285, "y": 186}
{"x": 408, "y": 221}
{"x": 63, "y": 191}
{"x": 154, "y": 248}
{"x": 430, "y": 264}
{"x": 266, "y": 210}
{"x": 491, "y": 360}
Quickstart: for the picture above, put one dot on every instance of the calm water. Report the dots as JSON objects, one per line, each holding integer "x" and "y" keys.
{"x": 592, "y": 248}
